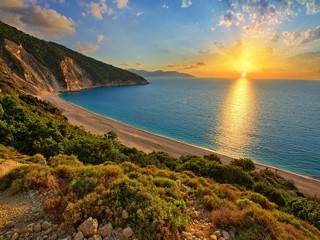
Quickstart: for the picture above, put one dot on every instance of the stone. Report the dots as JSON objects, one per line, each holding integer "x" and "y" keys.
{"x": 213, "y": 237}
{"x": 53, "y": 236}
{"x": 55, "y": 227}
{"x": 127, "y": 232}
{"x": 232, "y": 234}
{"x": 185, "y": 234}
{"x": 194, "y": 214}
{"x": 178, "y": 182}
{"x": 105, "y": 230}
{"x": 89, "y": 227}
{"x": 217, "y": 233}
{"x": 14, "y": 236}
{"x": 225, "y": 235}
{"x": 9, "y": 224}
{"x": 78, "y": 236}
{"x": 45, "y": 225}
{"x": 125, "y": 214}
{"x": 95, "y": 237}
{"x": 198, "y": 234}
{"x": 37, "y": 227}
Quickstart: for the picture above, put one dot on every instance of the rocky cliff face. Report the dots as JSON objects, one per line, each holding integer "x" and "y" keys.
{"x": 34, "y": 77}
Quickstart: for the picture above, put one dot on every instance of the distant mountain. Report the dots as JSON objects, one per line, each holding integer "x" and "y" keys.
{"x": 161, "y": 73}
{"x": 28, "y": 64}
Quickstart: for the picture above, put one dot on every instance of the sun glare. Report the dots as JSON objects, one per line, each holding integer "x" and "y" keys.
{"x": 244, "y": 74}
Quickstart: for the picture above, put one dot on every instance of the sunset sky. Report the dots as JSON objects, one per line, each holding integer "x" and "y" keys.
{"x": 206, "y": 38}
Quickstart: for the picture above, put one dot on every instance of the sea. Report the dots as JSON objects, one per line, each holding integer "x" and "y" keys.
{"x": 273, "y": 122}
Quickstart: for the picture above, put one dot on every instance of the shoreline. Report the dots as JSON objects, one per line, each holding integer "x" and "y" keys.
{"x": 148, "y": 142}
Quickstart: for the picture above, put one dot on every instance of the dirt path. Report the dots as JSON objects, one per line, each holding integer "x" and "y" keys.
{"x": 14, "y": 209}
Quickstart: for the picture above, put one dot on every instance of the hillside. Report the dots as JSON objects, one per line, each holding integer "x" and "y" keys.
{"x": 72, "y": 175}
{"x": 32, "y": 64}
{"x": 160, "y": 73}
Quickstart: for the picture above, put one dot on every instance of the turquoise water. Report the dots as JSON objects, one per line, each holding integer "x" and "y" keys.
{"x": 275, "y": 122}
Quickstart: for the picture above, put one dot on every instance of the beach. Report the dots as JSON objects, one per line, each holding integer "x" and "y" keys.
{"x": 148, "y": 142}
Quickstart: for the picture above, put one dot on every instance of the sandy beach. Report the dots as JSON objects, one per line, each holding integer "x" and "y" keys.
{"x": 149, "y": 142}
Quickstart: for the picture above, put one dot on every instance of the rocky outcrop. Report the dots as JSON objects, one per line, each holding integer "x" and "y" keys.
{"x": 76, "y": 78}
{"x": 30, "y": 65}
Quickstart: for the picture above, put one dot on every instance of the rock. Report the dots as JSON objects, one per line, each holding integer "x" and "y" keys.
{"x": 125, "y": 214}
{"x": 213, "y": 237}
{"x": 89, "y": 227}
{"x": 37, "y": 227}
{"x": 225, "y": 235}
{"x": 178, "y": 182}
{"x": 217, "y": 233}
{"x": 14, "y": 236}
{"x": 198, "y": 234}
{"x": 194, "y": 214}
{"x": 95, "y": 237}
{"x": 127, "y": 232}
{"x": 45, "y": 225}
{"x": 185, "y": 234}
{"x": 55, "y": 227}
{"x": 78, "y": 236}
{"x": 232, "y": 234}
{"x": 105, "y": 230}
{"x": 53, "y": 236}
{"x": 9, "y": 224}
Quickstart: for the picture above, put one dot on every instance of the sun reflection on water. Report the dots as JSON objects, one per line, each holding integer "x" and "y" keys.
{"x": 237, "y": 120}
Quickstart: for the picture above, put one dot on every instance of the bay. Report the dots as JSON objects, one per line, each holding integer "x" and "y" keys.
{"x": 275, "y": 122}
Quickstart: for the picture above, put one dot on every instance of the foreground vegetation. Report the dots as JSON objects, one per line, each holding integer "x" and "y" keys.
{"x": 99, "y": 177}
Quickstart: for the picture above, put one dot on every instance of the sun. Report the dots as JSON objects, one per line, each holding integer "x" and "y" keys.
{"x": 244, "y": 74}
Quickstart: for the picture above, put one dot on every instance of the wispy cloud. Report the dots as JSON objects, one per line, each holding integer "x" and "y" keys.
{"x": 258, "y": 17}
{"x": 186, "y": 3}
{"x": 121, "y": 3}
{"x": 231, "y": 19}
{"x": 98, "y": 9}
{"x": 90, "y": 47}
{"x": 165, "y": 6}
{"x": 303, "y": 37}
{"x": 100, "y": 38}
{"x": 187, "y": 66}
{"x": 39, "y": 21}
{"x": 140, "y": 13}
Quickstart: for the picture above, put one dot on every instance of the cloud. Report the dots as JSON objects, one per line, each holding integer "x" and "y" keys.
{"x": 100, "y": 38}
{"x": 312, "y": 34}
{"x": 231, "y": 19}
{"x": 260, "y": 17}
{"x": 165, "y": 6}
{"x": 187, "y": 66}
{"x": 275, "y": 38}
{"x": 121, "y": 3}
{"x": 186, "y": 3}
{"x": 12, "y": 4}
{"x": 98, "y": 9}
{"x": 42, "y": 22}
{"x": 90, "y": 47}
{"x": 140, "y": 13}
{"x": 301, "y": 38}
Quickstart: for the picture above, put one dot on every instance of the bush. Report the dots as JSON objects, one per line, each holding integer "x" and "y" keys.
{"x": 38, "y": 158}
{"x": 245, "y": 163}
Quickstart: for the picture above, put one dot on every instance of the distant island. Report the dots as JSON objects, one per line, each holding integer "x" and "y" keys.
{"x": 160, "y": 73}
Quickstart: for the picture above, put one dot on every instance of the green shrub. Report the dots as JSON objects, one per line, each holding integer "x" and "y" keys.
{"x": 245, "y": 163}
{"x": 38, "y": 158}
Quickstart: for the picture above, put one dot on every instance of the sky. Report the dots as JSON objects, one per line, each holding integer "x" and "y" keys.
{"x": 207, "y": 38}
